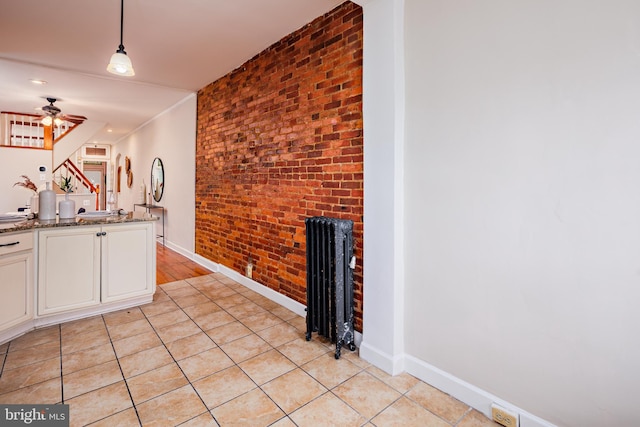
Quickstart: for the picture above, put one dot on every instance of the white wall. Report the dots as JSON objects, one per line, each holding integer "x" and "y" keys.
{"x": 522, "y": 193}
{"x": 15, "y": 162}
{"x": 171, "y": 136}
{"x": 72, "y": 141}
{"x": 383, "y": 105}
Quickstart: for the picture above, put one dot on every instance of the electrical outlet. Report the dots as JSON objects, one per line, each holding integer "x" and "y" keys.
{"x": 85, "y": 203}
{"x": 43, "y": 177}
{"x": 504, "y": 416}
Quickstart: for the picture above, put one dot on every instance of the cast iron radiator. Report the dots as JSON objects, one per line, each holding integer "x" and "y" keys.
{"x": 330, "y": 265}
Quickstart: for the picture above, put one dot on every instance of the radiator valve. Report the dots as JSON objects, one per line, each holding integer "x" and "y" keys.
{"x": 352, "y": 263}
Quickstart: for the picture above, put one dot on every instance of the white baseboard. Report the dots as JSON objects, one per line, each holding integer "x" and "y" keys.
{"x": 473, "y": 396}
{"x": 182, "y": 251}
{"x": 55, "y": 319}
{"x": 283, "y": 300}
{"x": 382, "y": 360}
{"x": 42, "y": 321}
{"x": 208, "y": 264}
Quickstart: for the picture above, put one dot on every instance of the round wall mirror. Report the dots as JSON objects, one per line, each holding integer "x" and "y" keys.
{"x": 157, "y": 179}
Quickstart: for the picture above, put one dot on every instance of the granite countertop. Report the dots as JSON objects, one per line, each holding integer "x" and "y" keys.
{"x": 32, "y": 224}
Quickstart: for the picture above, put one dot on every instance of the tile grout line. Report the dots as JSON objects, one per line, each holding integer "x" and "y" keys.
{"x": 4, "y": 358}
{"x": 283, "y": 321}
{"x": 176, "y": 362}
{"x": 126, "y": 384}
{"x": 297, "y": 366}
{"x": 199, "y": 288}
{"x": 61, "y": 372}
{"x": 467, "y": 412}
{"x": 225, "y": 353}
{"x": 258, "y": 386}
{"x": 198, "y": 291}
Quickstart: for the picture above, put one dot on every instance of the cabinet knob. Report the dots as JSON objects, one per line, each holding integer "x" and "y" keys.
{"x": 104, "y": 233}
{"x": 98, "y": 234}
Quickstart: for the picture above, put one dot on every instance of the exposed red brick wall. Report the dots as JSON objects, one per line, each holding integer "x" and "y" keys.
{"x": 279, "y": 140}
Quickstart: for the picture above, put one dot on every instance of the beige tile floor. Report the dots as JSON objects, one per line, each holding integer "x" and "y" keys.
{"x": 209, "y": 352}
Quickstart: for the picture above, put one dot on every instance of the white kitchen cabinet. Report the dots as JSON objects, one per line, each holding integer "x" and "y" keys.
{"x": 68, "y": 269}
{"x": 16, "y": 279}
{"x": 87, "y": 266}
{"x": 128, "y": 267}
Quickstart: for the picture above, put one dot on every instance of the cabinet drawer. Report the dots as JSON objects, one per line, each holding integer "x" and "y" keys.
{"x": 16, "y": 242}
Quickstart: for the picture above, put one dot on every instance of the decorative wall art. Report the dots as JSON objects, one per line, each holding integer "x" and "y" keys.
{"x": 127, "y": 170}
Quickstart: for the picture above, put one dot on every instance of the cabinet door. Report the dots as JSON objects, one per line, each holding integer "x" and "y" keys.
{"x": 16, "y": 304}
{"x": 68, "y": 269}
{"x": 128, "y": 261}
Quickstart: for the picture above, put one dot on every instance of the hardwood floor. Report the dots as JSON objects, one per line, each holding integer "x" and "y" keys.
{"x": 171, "y": 266}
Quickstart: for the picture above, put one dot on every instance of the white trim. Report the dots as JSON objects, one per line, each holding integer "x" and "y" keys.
{"x": 160, "y": 114}
{"x": 43, "y": 321}
{"x": 208, "y": 264}
{"x": 277, "y": 297}
{"x": 383, "y": 265}
{"x": 398, "y": 185}
{"x": 285, "y": 301}
{"x": 391, "y": 364}
{"x": 179, "y": 249}
{"x": 102, "y": 308}
{"x": 473, "y": 396}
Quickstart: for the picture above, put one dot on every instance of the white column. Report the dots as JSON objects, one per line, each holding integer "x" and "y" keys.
{"x": 383, "y": 109}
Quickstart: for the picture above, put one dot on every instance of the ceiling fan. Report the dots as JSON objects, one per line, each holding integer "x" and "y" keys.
{"x": 53, "y": 115}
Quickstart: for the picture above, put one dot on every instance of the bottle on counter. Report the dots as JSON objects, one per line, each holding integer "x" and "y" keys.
{"x": 47, "y": 203}
{"x": 67, "y": 208}
{"x": 142, "y": 194}
{"x": 34, "y": 204}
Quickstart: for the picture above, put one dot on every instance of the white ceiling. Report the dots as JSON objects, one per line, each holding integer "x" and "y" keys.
{"x": 176, "y": 47}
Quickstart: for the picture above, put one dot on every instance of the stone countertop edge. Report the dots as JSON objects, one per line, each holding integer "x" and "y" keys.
{"x": 33, "y": 224}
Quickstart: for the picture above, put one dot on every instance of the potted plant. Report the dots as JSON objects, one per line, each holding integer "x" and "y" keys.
{"x": 66, "y": 207}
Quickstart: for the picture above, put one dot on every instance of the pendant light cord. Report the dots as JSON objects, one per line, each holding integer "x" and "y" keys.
{"x": 120, "y": 63}
{"x": 121, "y": 47}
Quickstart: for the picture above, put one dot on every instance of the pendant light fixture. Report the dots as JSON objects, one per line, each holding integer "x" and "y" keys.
{"x": 120, "y": 63}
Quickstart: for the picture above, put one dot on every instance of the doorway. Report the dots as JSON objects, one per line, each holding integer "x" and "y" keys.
{"x": 96, "y": 172}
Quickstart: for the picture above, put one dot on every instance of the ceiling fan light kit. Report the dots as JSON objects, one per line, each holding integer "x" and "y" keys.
{"x": 120, "y": 63}
{"x": 53, "y": 115}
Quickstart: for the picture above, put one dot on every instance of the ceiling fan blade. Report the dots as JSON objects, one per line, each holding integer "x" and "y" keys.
{"x": 73, "y": 118}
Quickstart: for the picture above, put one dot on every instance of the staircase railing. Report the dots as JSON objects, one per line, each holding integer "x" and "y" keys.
{"x": 78, "y": 177}
{"x": 27, "y": 131}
